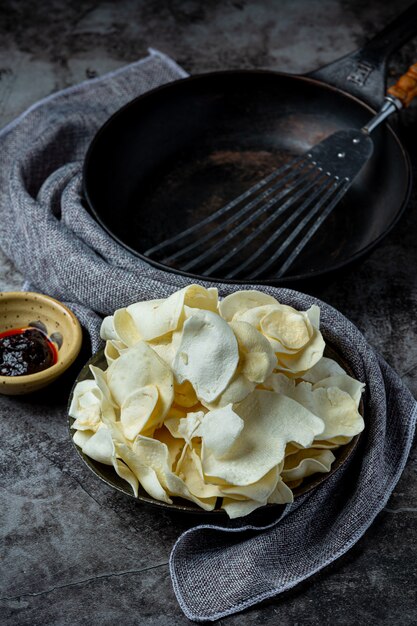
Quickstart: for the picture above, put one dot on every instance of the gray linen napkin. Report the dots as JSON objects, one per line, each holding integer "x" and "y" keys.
{"x": 45, "y": 230}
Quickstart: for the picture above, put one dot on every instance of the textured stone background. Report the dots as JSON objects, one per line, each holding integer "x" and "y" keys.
{"x": 73, "y": 551}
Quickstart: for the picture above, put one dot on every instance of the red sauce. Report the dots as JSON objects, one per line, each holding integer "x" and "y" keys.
{"x": 25, "y": 351}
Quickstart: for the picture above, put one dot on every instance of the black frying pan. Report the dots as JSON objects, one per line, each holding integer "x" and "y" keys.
{"x": 174, "y": 155}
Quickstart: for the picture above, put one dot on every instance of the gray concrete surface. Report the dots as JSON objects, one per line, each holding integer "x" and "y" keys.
{"x": 75, "y": 553}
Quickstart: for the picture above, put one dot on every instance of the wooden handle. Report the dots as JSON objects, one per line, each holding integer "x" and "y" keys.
{"x": 405, "y": 89}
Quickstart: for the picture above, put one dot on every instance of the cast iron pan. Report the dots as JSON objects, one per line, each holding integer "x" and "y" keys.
{"x": 174, "y": 155}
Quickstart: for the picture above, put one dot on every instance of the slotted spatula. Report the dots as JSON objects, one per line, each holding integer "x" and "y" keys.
{"x": 270, "y": 224}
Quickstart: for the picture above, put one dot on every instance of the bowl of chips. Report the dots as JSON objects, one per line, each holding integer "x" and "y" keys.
{"x": 206, "y": 405}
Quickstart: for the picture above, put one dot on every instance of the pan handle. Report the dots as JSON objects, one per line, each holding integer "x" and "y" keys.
{"x": 363, "y": 72}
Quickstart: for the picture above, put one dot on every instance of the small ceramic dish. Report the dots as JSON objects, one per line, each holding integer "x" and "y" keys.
{"x": 107, "y": 474}
{"x": 23, "y": 309}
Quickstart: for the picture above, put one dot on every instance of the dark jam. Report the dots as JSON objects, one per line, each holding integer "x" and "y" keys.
{"x": 25, "y": 351}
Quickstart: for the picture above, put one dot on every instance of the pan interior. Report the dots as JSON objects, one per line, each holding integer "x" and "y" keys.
{"x": 174, "y": 156}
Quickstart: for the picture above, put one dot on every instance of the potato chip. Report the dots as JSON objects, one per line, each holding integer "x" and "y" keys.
{"x": 235, "y": 508}
{"x": 101, "y": 382}
{"x": 92, "y": 403}
{"x": 259, "y": 491}
{"x": 184, "y": 394}
{"x": 271, "y": 421}
{"x": 113, "y": 349}
{"x": 124, "y": 472}
{"x": 155, "y": 318}
{"x": 174, "y": 445}
{"x": 192, "y": 475}
{"x": 190, "y": 426}
{"x": 166, "y": 347}
{"x": 257, "y": 358}
{"x": 80, "y": 437}
{"x": 307, "y": 462}
{"x": 198, "y": 297}
{"x": 107, "y": 330}
{"x": 139, "y": 367}
{"x": 291, "y": 328}
{"x": 154, "y": 454}
{"x": 138, "y": 413}
{"x": 236, "y": 391}
{"x": 241, "y": 301}
{"x": 220, "y": 429}
{"x": 293, "y": 335}
{"x": 100, "y": 446}
{"x": 145, "y": 474}
{"x": 125, "y": 328}
{"x": 207, "y": 356}
{"x": 282, "y": 494}
{"x": 324, "y": 368}
{"x": 86, "y": 406}
{"x": 345, "y": 383}
{"x": 335, "y": 407}
{"x": 292, "y": 448}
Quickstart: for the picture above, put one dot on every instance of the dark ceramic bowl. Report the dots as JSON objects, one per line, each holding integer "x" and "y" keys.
{"x": 107, "y": 474}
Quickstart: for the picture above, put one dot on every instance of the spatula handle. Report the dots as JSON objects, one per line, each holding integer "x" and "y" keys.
{"x": 405, "y": 89}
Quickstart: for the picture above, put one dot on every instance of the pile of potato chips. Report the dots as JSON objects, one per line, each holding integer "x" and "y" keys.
{"x": 208, "y": 399}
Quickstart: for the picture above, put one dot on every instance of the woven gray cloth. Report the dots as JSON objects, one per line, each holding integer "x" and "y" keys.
{"x": 46, "y": 231}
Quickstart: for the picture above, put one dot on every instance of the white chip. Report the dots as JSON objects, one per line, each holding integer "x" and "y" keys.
{"x": 270, "y": 422}
{"x": 155, "y": 455}
{"x": 307, "y": 462}
{"x": 207, "y": 356}
{"x": 155, "y": 318}
{"x": 241, "y": 301}
{"x": 139, "y": 367}
{"x": 335, "y": 407}
{"x": 257, "y": 358}
{"x": 220, "y": 429}
{"x": 324, "y": 368}
{"x": 125, "y": 327}
{"x": 138, "y": 409}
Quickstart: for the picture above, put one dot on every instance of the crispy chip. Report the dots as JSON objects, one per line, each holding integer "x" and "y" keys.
{"x": 220, "y": 429}
{"x": 86, "y": 406}
{"x": 235, "y": 508}
{"x": 282, "y": 494}
{"x": 143, "y": 471}
{"x": 155, "y": 455}
{"x": 293, "y": 335}
{"x": 324, "y": 368}
{"x": 107, "y": 330}
{"x": 138, "y": 411}
{"x": 113, "y": 350}
{"x": 100, "y": 446}
{"x": 192, "y": 474}
{"x": 307, "y": 462}
{"x": 259, "y": 491}
{"x": 174, "y": 445}
{"x": 242, "y": 301}
{"x": 155, "y": 318}
{"x": 335, "y": 407}
{"x": 207, "y": 356}
{"x": 271, "y": 421}
{"x": 257, "y": 358}
{"x": 139, "y": 367}
{"x": 184, "y": 394}
{"x": 125, "y": 328}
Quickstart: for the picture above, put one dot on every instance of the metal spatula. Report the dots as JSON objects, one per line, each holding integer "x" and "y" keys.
{"x": 270, "y": 224}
